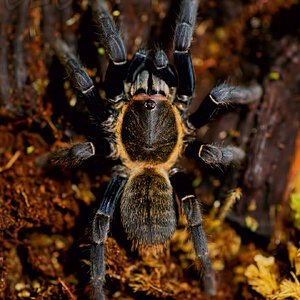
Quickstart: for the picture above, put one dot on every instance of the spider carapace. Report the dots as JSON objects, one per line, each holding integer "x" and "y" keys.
{"x": 147, "y": 128}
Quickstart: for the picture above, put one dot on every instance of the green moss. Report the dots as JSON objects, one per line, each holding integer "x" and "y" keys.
{"x": 295, "y": 206}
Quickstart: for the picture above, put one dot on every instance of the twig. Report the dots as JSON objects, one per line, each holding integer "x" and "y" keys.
{"x": 10, "y": 162}
{"x": 24, "y": 195}
{"x": 65, "y": 286}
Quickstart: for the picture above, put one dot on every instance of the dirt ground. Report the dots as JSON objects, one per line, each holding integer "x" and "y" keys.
{"x": 251, "y": 212}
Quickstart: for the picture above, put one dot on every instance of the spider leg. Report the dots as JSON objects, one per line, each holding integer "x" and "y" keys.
{"x": 223, "y": 96}
{"x": 114, "y": 46}
{"x": 214, "y": 155}
{"x": 100, "y": 229}
{"x": 81, "y": 81}
{"x": 72, "y": 156}
{"x": 191, "y": 208}
{"x": 182, "y": 56}
{"x": 137, "y": 63}
{"x": 163, "y": 69}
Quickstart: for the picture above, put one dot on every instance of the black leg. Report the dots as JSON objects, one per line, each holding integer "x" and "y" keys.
{"x": 163, "y": 69}
{"x": 191, "y": 208}
{"x": 109, "y": 34}
{"x": 182, "y": 57}
{"x": 114, "y": 46}
{"x": 137, "y": 63}
{"x": 114, "y": 81}
{"x": 222, "y": 96}
{"x": 214, "y": 155}
{"x": 100, "y": 229}
{"x": 81, "y": 81}
{"x": 73, "y": 156}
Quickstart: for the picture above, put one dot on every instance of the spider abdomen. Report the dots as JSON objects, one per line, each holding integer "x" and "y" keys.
{"x": 150, "y": 131}
{"x": 147, "y": 207}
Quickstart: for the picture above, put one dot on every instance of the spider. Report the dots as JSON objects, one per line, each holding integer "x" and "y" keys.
{"x": 147, "y": 129}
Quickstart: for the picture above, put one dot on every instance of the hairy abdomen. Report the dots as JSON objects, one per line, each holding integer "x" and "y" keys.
{"x": 148, "y": 210}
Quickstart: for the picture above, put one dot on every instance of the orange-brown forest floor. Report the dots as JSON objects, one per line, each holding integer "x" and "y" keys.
{"x": 46, "y": 214}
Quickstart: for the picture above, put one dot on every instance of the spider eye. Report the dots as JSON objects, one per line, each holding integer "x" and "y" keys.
{"x": 150, "y": 104}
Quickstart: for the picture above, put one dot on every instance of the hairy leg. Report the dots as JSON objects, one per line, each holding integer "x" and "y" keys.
{"x": 191, "y": 208}
{"x": 223, "y": 96}
{"x": 72, "y": 156}
{"x": 100, "y": 229}
{"x": 163, "y": 69}
{"x": 182, "y": 56}
{"x": 214, "y": 155}
{"x": 114, "y": 47}
{"x": 81, "y": 81}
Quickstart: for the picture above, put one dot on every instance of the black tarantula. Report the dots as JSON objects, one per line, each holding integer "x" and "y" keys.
{"x": 148, "y": 128}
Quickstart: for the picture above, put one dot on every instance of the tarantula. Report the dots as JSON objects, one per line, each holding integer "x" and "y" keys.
{"x": 147, "y": 128}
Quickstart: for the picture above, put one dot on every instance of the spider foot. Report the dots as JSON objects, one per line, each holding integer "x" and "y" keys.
{"x": 224, "y": 96}
{"x": 215, "y": 155}
{"x": 97, "y": 284}
{"x": 208, "y": 283}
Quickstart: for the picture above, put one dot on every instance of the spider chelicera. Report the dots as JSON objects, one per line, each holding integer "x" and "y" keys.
{"x": 147, "y": 128}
